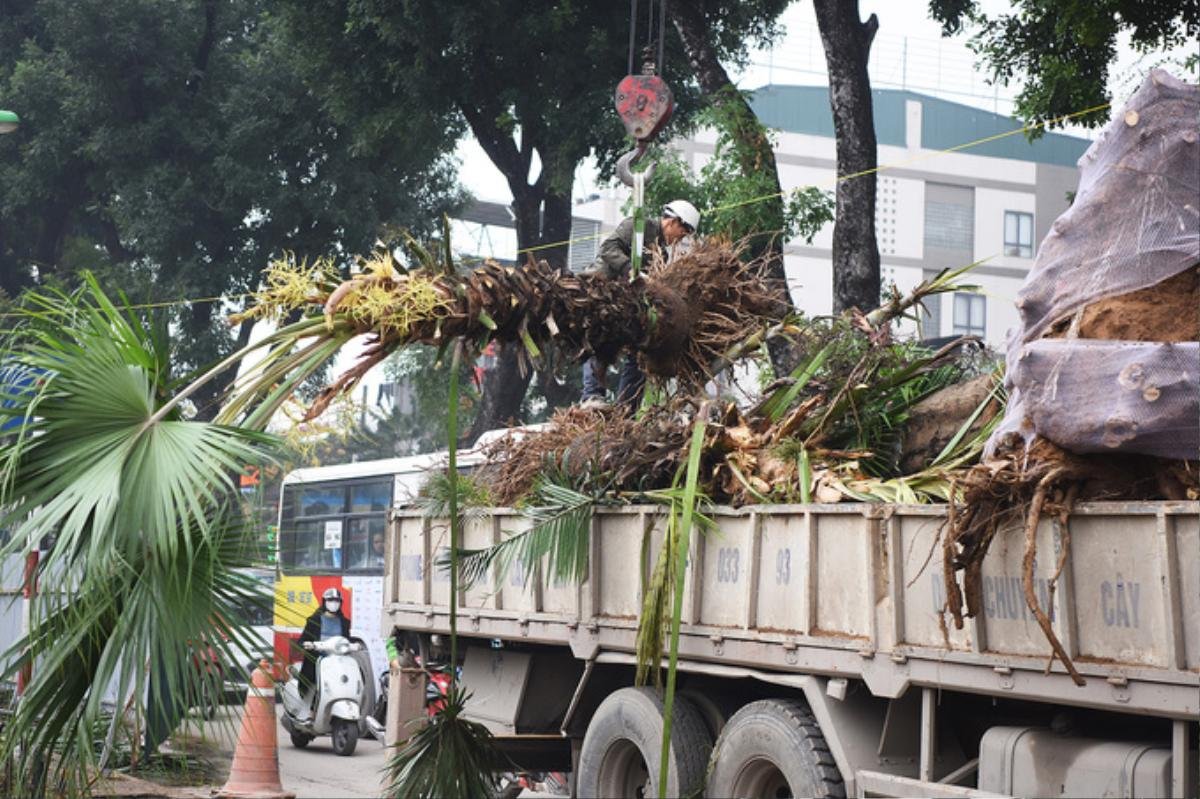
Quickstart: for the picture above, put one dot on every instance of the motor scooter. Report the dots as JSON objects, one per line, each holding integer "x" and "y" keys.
{"x": 339, "y": 703}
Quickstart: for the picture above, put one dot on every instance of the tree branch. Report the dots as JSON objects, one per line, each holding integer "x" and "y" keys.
{"x": 204, "y": 50}
{"x": 499, "y": 146}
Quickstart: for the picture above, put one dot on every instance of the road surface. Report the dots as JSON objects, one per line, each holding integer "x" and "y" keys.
{"x": 314, "y": 772}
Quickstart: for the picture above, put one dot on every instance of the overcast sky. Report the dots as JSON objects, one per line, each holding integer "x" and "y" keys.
{"x": 908, "y": 51}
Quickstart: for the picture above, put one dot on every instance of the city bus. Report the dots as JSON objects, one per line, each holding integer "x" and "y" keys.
{"x": 331, "y": 534}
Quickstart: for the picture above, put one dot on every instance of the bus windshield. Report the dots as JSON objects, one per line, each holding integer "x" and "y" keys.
{"x": 334, "y": 527}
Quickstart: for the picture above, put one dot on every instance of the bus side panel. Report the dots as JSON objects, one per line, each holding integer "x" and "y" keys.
{"x": 298, "y": 597}
{"x": 367, "y": 590}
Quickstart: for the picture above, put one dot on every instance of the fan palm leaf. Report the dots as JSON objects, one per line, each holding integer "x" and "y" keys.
{"x": 146, "y": 524}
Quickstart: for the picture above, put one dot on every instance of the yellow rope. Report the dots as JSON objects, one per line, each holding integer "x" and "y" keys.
{"x": 726, "y": 207}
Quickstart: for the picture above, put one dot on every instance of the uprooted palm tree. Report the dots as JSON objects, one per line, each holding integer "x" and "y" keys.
{"x": 141, "y": 497}
{"x": 679, "y": 316}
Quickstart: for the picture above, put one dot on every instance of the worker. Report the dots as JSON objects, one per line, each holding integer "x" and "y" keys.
{"x": 679, "y": 220}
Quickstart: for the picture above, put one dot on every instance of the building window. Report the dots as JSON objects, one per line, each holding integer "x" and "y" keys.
{"x": 950, "y": 218}
{"x": 585, "y": 243}
{"x": 1018, "y": 234}
{"x": 970, "y": 315}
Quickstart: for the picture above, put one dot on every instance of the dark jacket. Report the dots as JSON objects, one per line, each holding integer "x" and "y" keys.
{"x": 312, "y": 632}
{"x": 615, "y": 256}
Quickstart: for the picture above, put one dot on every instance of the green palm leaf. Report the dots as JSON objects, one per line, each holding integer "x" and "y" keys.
{"x": 560, "y": 532}
{"x": 148, "y": 531}
{"x": 681, "y": 557}
{"x": 779, "y": 402}
{"x": 449, "y": 756}
{"x": 684, "y": 505}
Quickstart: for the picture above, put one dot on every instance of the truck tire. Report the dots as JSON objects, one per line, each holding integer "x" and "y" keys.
{"x": 715, "y": 709}
{"x": 773, "y": 748}
{"x": 623, "y": 746}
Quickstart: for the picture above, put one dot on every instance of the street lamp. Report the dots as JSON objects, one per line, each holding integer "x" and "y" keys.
{"x": 8, "y": 121}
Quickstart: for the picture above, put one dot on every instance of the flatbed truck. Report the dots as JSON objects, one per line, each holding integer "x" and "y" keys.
{"x": 815, "y": 659}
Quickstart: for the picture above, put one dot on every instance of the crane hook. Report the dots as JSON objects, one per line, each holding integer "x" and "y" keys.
{"x": 626, "y": 162}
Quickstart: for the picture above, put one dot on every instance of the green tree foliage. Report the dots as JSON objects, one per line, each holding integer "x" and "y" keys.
{"x": 173, "y": 147}
{"x": 540, "y": 86}
{"x": 1063, "y": 50}
{"x": 730, "y": 195}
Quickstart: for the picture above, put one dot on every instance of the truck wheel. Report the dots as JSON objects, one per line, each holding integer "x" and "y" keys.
{"x": 714, "y": 709}
{"x": 345, "y": 736}
{"x": 623, "y": 745}
{"x": 773, "y": 748}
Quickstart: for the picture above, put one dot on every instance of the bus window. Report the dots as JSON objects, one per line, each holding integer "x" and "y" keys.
{"x": 365, "y": 542}
{"x": 371, "y": 497}
{"x": 304, "y": 548}
{"x": 322, "y": 500}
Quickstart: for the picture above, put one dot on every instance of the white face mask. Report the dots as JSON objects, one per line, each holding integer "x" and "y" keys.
{"x": 333, "y": 605}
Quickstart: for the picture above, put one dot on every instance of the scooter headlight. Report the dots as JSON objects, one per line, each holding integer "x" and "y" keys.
{"x": 341, "y": 647}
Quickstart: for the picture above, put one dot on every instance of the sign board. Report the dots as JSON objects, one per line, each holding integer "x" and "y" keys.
{"x": 333, "y": 534}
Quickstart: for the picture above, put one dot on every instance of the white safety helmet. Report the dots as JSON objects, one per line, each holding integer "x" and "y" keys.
{"x": 685, "y": 212}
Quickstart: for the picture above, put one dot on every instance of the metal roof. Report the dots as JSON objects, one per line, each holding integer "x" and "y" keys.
{"x": 482, "y": 212}
{"x": 466, "y": 458}
{"x": 944, "y": 124}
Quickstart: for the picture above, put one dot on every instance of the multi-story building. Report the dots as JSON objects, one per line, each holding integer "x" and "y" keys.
{"x": 991, "y": 202}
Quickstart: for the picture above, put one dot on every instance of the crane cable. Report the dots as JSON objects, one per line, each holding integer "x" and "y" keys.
{"x": 639, "y": 177}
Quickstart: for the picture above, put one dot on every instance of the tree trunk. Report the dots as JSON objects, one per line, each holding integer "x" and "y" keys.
{"x": 847, "y": 43}
{"x": 14, "y": 277}
{"x": 757, "y": 155}
{"x": 543, "y": 215}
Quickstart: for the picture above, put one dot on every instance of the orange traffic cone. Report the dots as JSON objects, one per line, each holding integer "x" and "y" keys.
{"x": 255, "y": 770}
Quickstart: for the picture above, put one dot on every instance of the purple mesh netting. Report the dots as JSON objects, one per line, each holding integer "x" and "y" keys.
{"x": 1135, "y": 222}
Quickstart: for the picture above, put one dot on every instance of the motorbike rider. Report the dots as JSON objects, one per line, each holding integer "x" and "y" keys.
{"x": 327, "y": 621}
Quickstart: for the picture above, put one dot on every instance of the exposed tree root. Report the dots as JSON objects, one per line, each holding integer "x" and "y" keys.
{"x": 1031, "y": 526}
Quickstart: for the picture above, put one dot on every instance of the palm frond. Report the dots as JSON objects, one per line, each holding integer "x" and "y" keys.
{"x": 147, "y": 524}
{"x": 934, "y": 483}
{"x": 779, "y": 402}
{"x": 898, "y": 306}
{"x": 452, "y": 496}
{"x": 471, "y": 497}
{"x": 448, "y": 756}
{"x": 560, "y": 532}
{"x": 685, "y": 507}
{"x": 681, "y": 555}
